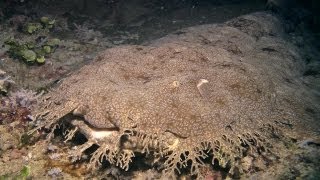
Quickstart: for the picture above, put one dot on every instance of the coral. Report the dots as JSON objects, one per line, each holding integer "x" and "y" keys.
{"x": 55, "y": 172}
{"x": 17, "y": 107}
{"x": 24, "y": 98}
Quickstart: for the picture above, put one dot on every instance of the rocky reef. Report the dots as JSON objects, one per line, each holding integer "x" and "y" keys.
{"x": 5, "y": 82}
{"x": 189, "y": 89}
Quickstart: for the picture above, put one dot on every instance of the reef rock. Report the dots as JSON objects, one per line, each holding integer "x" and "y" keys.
{"x": 221, "y": 91}
{"x": 5, "y": 82}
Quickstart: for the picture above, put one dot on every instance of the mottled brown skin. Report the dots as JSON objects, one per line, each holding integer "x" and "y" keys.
{"x": 173, "y": 98}
{"x": 130, "y": 93}
{"x": 155, "y": 95}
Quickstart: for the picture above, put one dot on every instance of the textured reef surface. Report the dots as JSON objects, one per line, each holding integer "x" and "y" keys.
{"x": 217, "y": 94}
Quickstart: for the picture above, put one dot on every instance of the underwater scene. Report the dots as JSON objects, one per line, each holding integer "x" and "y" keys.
{"x": 156, "y": 89}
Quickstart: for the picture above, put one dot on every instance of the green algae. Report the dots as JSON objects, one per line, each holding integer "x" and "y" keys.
{"x": 45, "y": 23}
{"x": 28, "y": 55}
{"x": 41, "y": 60}
{"x": 32, "y": 27}
{"x": 23, "y": 174}
{"x": 34, "y": 51}
{"x": 53, "y": 42}
{"x": 31, "y": 52}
